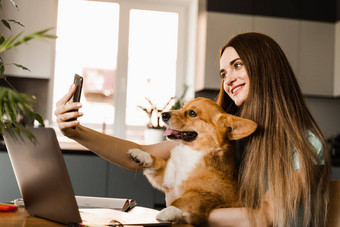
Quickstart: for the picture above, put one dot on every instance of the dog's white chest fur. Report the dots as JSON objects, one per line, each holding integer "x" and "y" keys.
{"x": 182, "y": 161}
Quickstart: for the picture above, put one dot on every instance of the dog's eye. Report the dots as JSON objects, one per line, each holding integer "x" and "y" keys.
{"x": 192, "y": 113}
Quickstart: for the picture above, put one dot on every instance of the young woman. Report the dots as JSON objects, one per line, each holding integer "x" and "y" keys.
{"x": 287, "y": 156}
{"x": 285, "y": 164}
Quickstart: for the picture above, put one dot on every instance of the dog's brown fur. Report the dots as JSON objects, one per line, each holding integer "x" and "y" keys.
{"x": 212, "y": 182}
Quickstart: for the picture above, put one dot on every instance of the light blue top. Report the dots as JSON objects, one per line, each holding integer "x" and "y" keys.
{"x": 318, "y": 149}
{"x": 316, "y": 143}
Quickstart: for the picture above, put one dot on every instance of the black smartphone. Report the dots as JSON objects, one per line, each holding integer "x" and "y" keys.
{"x": 78, "y": 81}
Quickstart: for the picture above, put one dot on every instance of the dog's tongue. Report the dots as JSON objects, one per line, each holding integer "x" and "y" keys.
{"x": 169, "y": 132}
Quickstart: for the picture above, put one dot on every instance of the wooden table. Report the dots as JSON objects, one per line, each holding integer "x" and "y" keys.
{"x": 23, "y": 219}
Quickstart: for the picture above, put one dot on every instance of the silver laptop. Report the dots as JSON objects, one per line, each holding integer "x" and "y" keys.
{"x": 46, "y": 188}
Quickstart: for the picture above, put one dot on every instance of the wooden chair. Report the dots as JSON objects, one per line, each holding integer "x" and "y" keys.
{"x": 334, "y": 210}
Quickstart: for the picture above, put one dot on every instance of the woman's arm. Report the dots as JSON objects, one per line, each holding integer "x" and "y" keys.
{"x": 110, "y": 148}
{"x": 225, "y": 217}
{"x": 234, "y": 217}
{"x": 115, "y": 149}
{"x": 238, "y": 216}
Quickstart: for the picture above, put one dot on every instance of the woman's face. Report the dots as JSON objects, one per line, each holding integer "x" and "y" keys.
{"x": 234, "y": 75}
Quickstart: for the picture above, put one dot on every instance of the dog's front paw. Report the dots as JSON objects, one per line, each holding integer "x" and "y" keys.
{"x": 141, "y": 157}
{"x": 170, "y": 213}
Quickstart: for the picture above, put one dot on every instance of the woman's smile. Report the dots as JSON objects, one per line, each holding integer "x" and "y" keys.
{"x": 236, "y": 89}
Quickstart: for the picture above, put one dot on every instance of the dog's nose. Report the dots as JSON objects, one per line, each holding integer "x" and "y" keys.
{"x": 166, "y": 116}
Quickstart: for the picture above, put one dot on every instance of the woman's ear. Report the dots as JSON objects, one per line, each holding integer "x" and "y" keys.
{"x": 237, "y": 128}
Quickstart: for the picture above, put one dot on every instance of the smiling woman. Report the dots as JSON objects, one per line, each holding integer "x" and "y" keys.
{"x": 287, "y": 146}
{"x": 234, "y": 75}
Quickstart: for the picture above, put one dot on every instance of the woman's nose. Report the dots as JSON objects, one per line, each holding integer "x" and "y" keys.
{"x": 230, "y": 79}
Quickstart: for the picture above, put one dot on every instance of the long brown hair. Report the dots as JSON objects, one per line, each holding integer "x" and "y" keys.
{"x": 276, "y": 103}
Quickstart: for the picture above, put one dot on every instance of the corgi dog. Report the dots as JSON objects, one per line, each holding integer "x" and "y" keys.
{"x": 201, "y": 173}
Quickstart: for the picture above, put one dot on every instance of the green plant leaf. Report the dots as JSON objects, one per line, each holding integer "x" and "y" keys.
{"x": 16, "y": 22}
{"x": 2, "y": 68}
{"x": 1, "y": 111}
{"x": 22, "y": 108}
{"x": 8, "y": 112}
{"x": 5, "y": 22}
{"x": 10, "y": 42}
{"x": 6, "y": 44}
{"x": 16, "y": 6}
{"x": 36, "y": 35}
{"x": 35, "y": 116}
{"x": 16, "y": 130}
{"x": 2, "y": 94}
{"x": 14, "y": 103}
{"x": 29, "y": 107}
{"x": 22, "y": 67}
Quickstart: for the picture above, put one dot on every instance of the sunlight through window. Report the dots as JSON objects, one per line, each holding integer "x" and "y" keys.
{"x": 85, "y": 46}
{"x": 152, "y": 61}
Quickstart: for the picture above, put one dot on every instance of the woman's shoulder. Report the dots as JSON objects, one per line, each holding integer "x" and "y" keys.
{"x": 318, "y": 149}
{"x": 317, "y": 145}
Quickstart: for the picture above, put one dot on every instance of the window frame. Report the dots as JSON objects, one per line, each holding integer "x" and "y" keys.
{"x": 186, "y": 60}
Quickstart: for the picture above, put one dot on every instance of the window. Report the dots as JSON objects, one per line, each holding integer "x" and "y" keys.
{"x": 126, "y": 51}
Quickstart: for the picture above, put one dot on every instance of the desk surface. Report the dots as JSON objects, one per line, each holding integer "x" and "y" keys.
{"x": 23, "y": 219}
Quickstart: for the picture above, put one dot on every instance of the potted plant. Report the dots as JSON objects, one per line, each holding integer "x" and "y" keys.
{"x": 13, "y": 104}
{"x": 179, "y": 102}
{"x": 155, "y": 129}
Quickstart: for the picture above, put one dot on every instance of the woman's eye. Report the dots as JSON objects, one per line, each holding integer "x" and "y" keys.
{"x": 238, "y": 65}
{"x": 192, "y": 113}
{"x": 223, "y": 75}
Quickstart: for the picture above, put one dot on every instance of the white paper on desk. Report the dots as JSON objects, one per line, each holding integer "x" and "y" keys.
{"x": 103, "y": 202}
{"x": 94, "y": 217}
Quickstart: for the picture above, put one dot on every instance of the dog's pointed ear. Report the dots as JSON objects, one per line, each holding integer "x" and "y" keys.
{"x": 237, "y": 128}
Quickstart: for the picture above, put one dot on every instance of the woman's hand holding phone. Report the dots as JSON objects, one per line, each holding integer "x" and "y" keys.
{"x": 67, "y": 111}
{"x": 78, "y": 81}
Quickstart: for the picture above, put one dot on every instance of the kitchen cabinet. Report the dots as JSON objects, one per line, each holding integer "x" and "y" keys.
{"x": 87, "y": 174}
{"x": 337, "y": 60}
{"x": 316, "y": 58}
{"x": 37, "y": 55}
{"x": 285, "y": 32}
{"x": 312, "y": 48}
{"x": 124, "y": 183}
{"x": 335, "y": 173}
{"x": 9, "y": 189}
{"x": 214, "y": 29}
{"x": 93, "y": 176}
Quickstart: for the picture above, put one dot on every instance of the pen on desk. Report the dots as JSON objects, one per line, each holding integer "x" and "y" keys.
{"x": 7, "y": 207}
